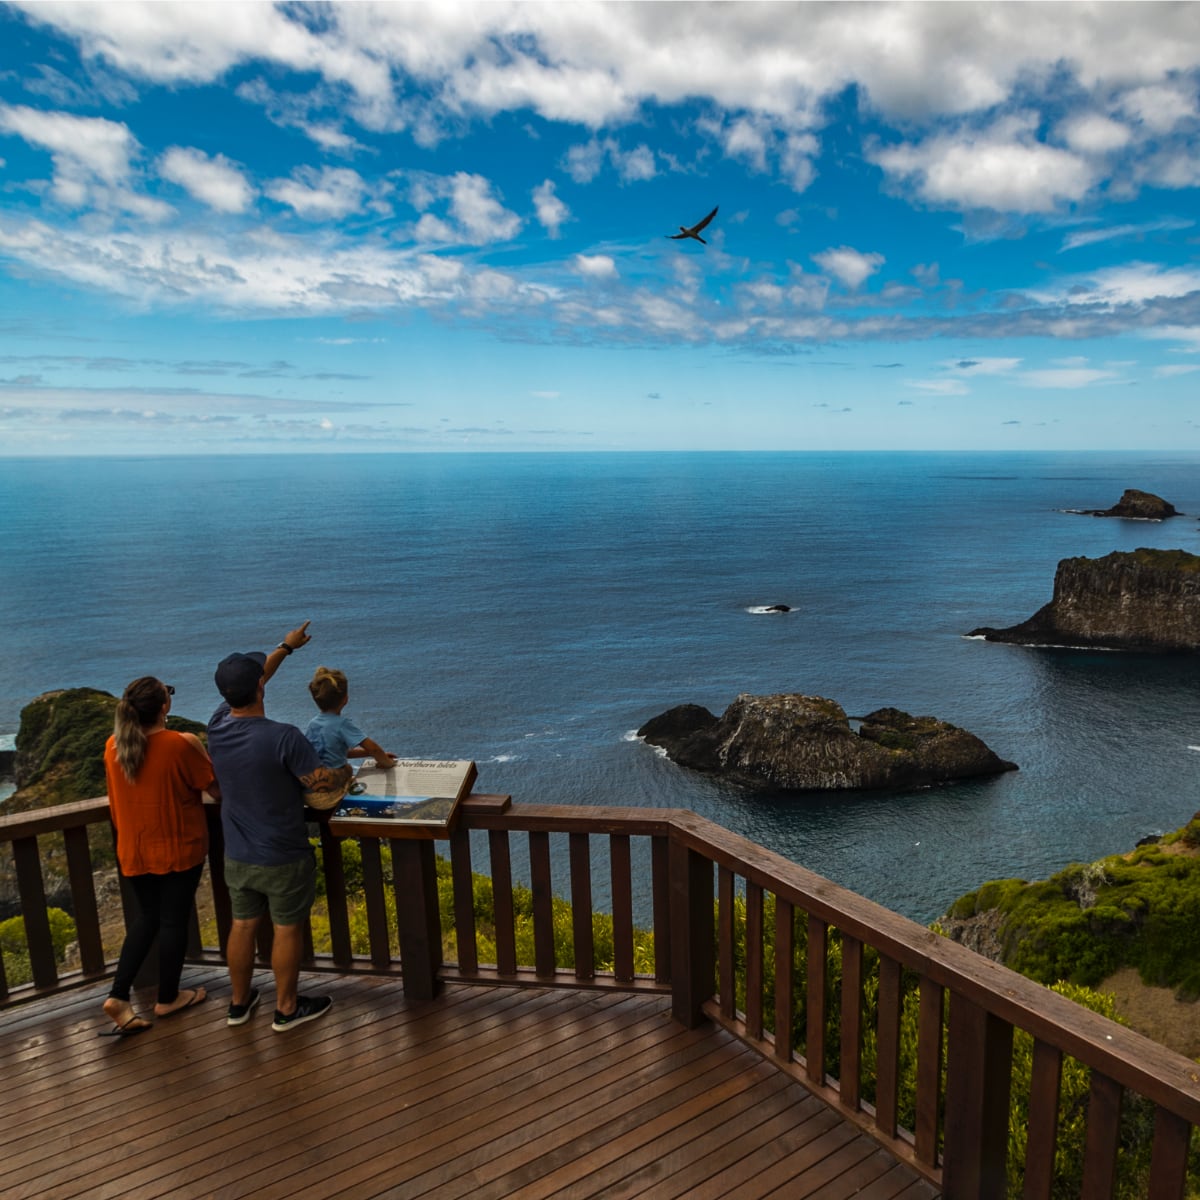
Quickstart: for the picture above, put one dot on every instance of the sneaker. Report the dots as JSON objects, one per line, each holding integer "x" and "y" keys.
{"x": 308, "y": 1008}
{"x": 239, "y": 1014}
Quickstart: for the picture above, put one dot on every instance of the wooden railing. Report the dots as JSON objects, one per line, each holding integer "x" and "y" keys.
{"x": 810, "y": 986}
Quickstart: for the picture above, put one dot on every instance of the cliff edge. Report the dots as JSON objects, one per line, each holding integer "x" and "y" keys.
{"x": 1129, "y": 600}
{"x": 60, "y": 758}
{"x": 1092, "y": 922}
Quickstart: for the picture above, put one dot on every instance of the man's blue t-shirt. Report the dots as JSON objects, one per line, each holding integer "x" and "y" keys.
{"x": 332, "y": 735}
{"x": 258, "y": 764}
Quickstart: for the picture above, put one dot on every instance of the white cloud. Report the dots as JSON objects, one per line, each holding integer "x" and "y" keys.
{"x": 82, "y": 147}
{"x": 480, "y": 213}
{"x": 551, "y": 211}
{"x": 636, "y": 165}
{"x": 1131, "y": 284}
{"x": 1065, "y": 377}
{"x": 1088, "y": 237}
{"x": 1002, "y": 168}
{"x": 1189, "y": 335}
{"x": 768, "y": 74}
{"x": 595, "y": 266}
{"x": 851, "y": 266}
{"x": 1171, "y": 370}
{"x": 216, "y": 181}
{"x": 92, "y": 157}
{"x": 474, "y": 215}
{"x": 1160, "y": 107}
{"x": 1174, "y": 167}
{"x": 747, "y": 139}
{"x": 939, "y": 387}
{"x": 586, "y": 160}
{"x": 259, "y": 273}
{"x": 596, "y": 63}
{"x": 1094, "y": 133}
{"x": 796, "y": 160}
{"x": 325, "y": 194}
{"x": 984, "y": 366}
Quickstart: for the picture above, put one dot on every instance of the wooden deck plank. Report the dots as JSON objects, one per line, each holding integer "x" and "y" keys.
{"x": 440, "y": 1058}
{"x": 668, "y": 1174}
{"x": 468, "y": 1162}
{"x": 329, "y": 1147}
{"x": 660, "y": 1147}
{"x": 154, "y": 1079}
{"x": 490, "y": 1094}
{"x": 589, "y": 1135}
{"x": 248, "y": 1083}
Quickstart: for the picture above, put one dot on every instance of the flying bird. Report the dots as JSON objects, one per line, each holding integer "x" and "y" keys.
{"x": 693, "y": 231}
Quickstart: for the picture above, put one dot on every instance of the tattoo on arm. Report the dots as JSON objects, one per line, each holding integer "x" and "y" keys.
{"x": 326, "y": 785}
{"x": 323, "y": 778}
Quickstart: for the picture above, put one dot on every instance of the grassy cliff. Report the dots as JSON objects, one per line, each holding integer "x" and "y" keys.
{"x": 60, "y": 747}
{"x": 1139, "y": 910}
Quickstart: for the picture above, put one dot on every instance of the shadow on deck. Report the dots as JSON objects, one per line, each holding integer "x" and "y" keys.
{"x": 481, "y": 1093}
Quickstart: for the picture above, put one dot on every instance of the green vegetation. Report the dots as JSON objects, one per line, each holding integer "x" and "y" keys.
{"x": 1165, "y": 560}
{"x": 1136, "y": 1130}
{"x": 485, "y": 918}
{"x": 891, "y": 739}
{"x": 60, "y": 747}
{"x": 1089, "y": 920}
{"x": 14, "y": 948}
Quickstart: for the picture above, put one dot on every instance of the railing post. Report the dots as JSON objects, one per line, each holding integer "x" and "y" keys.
{"x": 32, "y": 891}
{"x": 978, "y": 1078}
{"x": 418, "y": 921}
{"x": 692, "y": 934}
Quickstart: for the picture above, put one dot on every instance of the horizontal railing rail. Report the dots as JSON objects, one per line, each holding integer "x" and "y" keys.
{"x": 831, "y": 986}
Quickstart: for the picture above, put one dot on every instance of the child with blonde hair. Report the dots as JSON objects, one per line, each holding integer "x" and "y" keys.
{"x": 336, "y": 737}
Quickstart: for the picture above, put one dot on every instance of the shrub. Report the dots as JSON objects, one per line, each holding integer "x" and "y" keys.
{"x": 15, "y": 948}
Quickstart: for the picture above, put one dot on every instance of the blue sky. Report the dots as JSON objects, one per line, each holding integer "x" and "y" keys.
{"x": 372, "y": 227}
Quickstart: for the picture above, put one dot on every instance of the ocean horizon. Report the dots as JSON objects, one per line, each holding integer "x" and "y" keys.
{"x": 531, "y": 611}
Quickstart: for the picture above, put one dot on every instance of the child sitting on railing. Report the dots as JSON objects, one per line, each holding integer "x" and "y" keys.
{"x": 336, "y": 737}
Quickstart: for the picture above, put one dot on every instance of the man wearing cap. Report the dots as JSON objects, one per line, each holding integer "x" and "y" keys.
{"x": 266, "y": 770}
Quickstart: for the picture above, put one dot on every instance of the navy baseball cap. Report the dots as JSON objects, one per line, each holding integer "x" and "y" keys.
{"x": 237, "y": 676}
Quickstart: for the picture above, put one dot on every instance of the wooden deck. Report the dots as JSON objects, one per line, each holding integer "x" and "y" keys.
{"x": 482, "y": 1093}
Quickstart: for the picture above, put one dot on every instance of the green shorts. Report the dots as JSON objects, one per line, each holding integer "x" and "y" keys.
{"x": 285, "y": 891}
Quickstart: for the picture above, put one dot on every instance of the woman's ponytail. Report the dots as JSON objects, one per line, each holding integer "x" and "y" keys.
{"x": 137, "y": 709}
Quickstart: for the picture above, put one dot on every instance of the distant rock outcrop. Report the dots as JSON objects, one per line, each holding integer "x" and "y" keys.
{"x": 1134, "y": 600}
{"x": 1137, "y": 506}
{"x": 806, "y": 743}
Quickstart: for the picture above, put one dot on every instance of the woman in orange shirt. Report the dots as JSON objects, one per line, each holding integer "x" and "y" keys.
{"x": 155, "y": 777}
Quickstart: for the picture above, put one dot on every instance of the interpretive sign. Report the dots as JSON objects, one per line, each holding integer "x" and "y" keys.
{"x": 413, "y": 792}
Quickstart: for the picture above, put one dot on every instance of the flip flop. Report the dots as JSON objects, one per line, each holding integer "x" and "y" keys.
{"x": 198, "y": 997}
{"x": 128, "y": 1029}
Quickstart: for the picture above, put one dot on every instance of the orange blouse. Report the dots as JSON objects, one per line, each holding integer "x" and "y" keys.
{"x": 159, "y": 817}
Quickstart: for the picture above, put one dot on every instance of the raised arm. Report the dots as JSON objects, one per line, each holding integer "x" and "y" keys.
{"x": 291, "y": 641}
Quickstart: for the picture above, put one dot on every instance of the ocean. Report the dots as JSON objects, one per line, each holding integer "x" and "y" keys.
{"x": 531, "y": 611}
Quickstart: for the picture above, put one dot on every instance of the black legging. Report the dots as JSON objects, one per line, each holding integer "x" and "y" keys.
{"x": 164, "y": 907}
